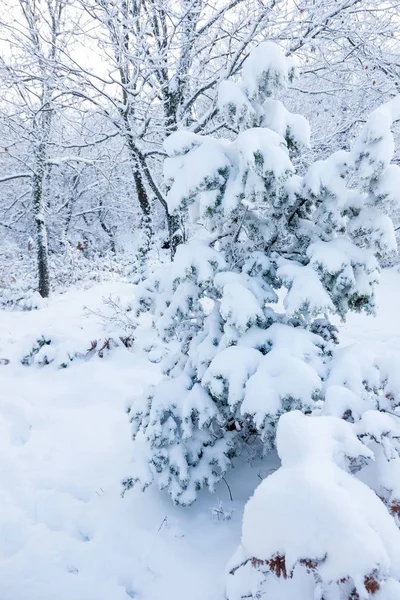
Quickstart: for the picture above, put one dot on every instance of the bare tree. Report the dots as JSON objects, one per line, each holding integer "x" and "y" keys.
{"x": 35, "y": 30}
{"x": 162, "y": 60}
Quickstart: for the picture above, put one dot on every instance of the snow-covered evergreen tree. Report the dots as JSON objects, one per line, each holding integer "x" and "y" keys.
{"x": 237, "y": 354}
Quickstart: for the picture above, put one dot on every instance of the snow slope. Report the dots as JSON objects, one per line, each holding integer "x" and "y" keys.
{"x": 65, "y": 445}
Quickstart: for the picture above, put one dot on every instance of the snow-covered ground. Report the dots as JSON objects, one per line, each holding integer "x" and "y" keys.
{"x": 65, "y": 446}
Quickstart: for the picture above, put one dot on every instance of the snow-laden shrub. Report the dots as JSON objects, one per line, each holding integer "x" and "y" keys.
{"x": 312, "y": 531}
{"x": 45, "y": 351}
{"x": 18, "y": 276}
{"x": 353, "y": 517}
{"x": 363, "y": 388}
{"x": 235, "y": 358}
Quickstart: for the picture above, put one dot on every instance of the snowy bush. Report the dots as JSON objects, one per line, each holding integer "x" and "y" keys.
{"x": 18, "y": 273}
{"x": 45, "y": 351}
{"x": 312, "y": 531}
{"x": 363, "y": 387}
{"x": 243, "y": 312}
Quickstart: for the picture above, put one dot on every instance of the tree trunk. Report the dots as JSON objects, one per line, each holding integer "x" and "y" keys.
{"x": 145, "y": 227}
{"x": 143, "y": 198}
{"x": 40, "y": 225}
{"x": 173, "y": 221}
{"x": 146, "y": 230}
{"x": 42, "y": 127}
{"x": 109, "y": 231}
{"x": 175, "y": 237}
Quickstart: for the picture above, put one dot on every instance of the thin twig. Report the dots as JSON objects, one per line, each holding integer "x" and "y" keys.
{"x": 229, "y": 489}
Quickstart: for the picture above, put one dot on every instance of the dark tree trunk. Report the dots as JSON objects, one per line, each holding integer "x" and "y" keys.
{"x": 143, "y": 198}
{"x": 109, "y": 231}
{"x": 174, "y": 235}
{"x": 145, "y": 226}
{"x": 40, "y": 225}
{"x": 43, "y": 259}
